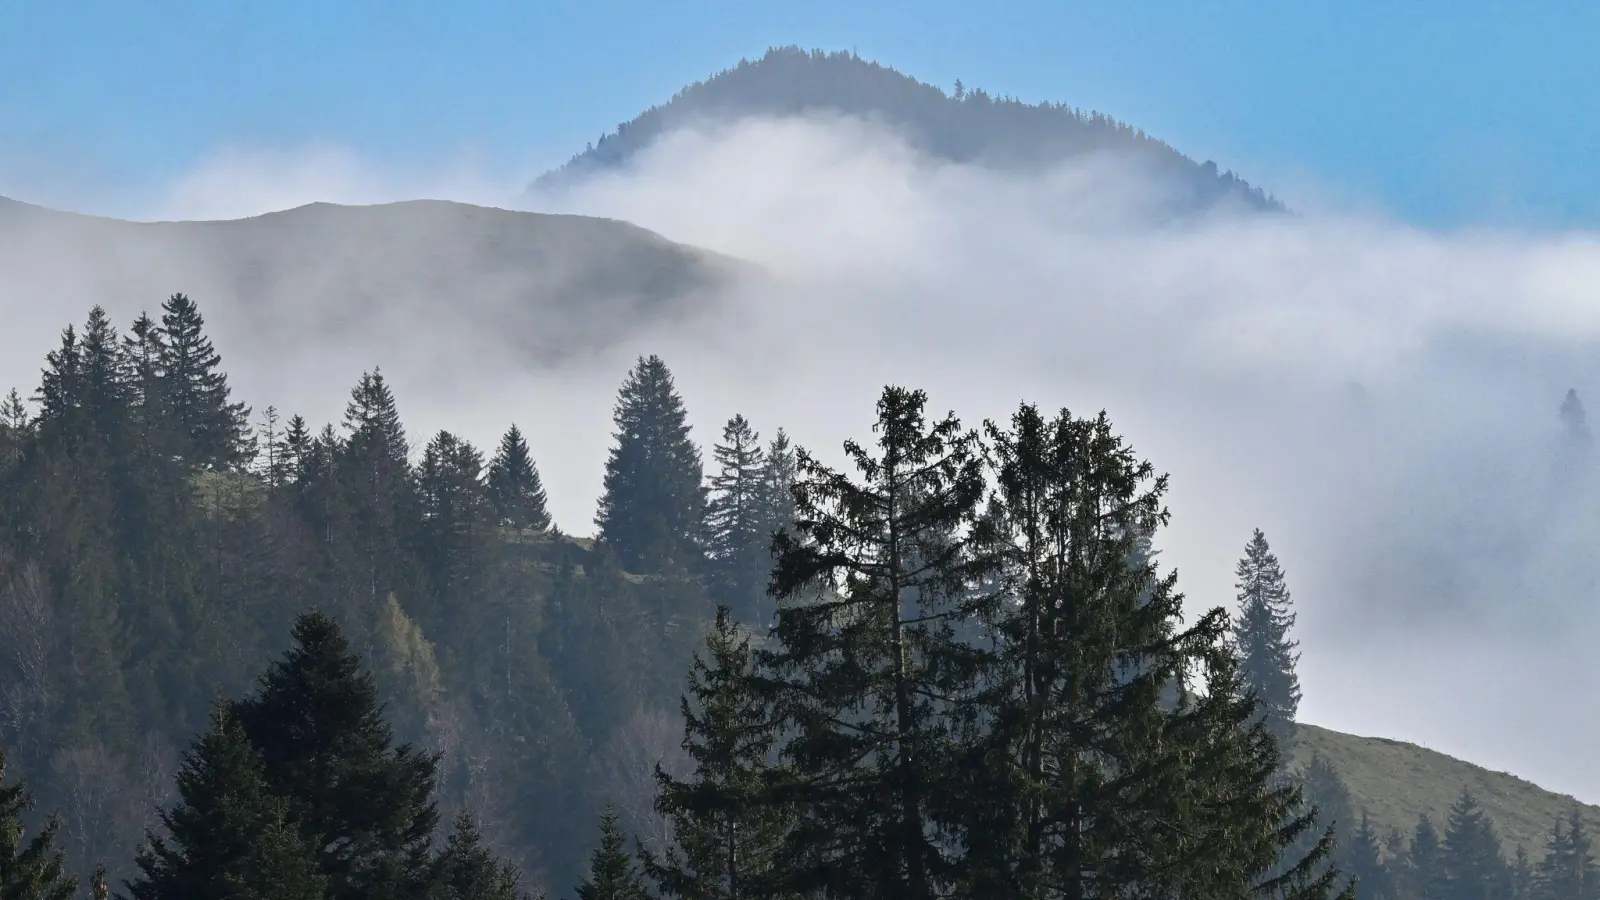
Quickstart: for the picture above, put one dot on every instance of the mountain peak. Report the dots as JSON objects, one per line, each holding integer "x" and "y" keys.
{"x": 967, "y": 125}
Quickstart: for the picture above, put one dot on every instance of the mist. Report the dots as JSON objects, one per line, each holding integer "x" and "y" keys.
{"x": 1380, "y": 400}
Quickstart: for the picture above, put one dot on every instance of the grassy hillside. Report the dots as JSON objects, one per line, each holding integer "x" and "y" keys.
{"x": 1396, "y": 782}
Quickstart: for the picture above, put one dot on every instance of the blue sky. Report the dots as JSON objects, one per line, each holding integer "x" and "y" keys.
{"x": 1464, "y": 113}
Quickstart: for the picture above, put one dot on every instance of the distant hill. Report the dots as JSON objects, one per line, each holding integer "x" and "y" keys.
{"x": 548, "y": 284}
{"x": 968, "y": 125}
{"x": 1396, "y": 782}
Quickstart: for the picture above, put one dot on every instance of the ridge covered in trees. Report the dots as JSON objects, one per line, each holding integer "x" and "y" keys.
{"x": 954, "y": 669}
{"x": 963, "y": 125}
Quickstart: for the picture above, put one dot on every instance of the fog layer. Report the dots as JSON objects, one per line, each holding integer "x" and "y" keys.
{"x": 1382, "y": 401}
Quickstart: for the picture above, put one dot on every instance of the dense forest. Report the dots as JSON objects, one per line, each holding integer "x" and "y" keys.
{"x": 966, "y": 125}
{"x": 244, "y": 656}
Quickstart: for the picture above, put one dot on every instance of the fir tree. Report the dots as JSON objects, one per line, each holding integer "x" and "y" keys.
{"x": 612, "y": 875}
{"x": 1261, "y": 634}
{"x": 466, "y": 869}
{"x": 515, "y": 488}
{"x": 31, "y": 869}
{"x": 212, "y": 431}
{"x": 738, "y": 539}
{"x": 652, "y": 511}
{"x": 60, "y": 394}
{"x": 1470, "y": 857}
{"x": 228, "y": 836}
{"x": 1568, "y": 870}
{"x": 1364, "y": 862}
{"x": 728, "y": 830}
{"x": 1098, "y": 771}
{"x": 365, "y": 803}
{"x": 868, "y": 584}
{"x": 1425, "y": 863}
{"x": 1524, "y": 882}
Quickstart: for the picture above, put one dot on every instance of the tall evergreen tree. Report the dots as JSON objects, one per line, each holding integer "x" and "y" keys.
{"x": 1261, "y": 633}
{"x": 1470, "y": 858}
{"x": 228, "y": 836}
{"x": 1568, "y": 870}
{"x": 728, "y": 831}
{"x": 612, "y": 874}
{"x": 738, "y": 539}
{"x": 466, "y": 869}
{"x": 1364, "y": 861}
{"x": 1425, "y": 863}
{"x": 366, "y": 804}
{"x": 515, "y": 488}
{"x": 1094, "y": 776}
{"x": 32, "y": 869}
{"x": 868, "y": 584}
{"x": 652, "y": 511}
{"x": 60, "y": 394}
{"x": 212, "y": 431}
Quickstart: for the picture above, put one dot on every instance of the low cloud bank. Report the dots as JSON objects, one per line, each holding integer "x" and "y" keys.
{"x": 1381, "y": 400}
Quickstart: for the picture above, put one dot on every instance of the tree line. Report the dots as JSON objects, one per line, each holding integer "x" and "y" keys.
{"x": 955, "y": 670}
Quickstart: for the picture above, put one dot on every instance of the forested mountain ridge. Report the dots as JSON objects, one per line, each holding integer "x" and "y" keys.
{"x": 968, "y": 125}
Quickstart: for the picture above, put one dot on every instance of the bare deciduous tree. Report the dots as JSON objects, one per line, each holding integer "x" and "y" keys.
{"x": 626, "y": 767}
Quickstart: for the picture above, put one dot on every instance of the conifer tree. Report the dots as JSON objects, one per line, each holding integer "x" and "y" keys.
{"x": 212, "y": 431}
{"x": 454, "y": 516}
{"x": 738, "y": 541}
{"x": 365, "y": 803}
{"x": 652, "y": 511}
{"x": 466, "y": 869}
{"x": 727, "y": 828}
{"x": 103, "y": 396}
{"x": 868, "y": 583}
{"x": 1524, "y": 883}
{"x": 1364, "y": 861}
{"x": 60, "y": 395}
{"x": 1568, "y": 870}
{"x": 777, "y": 483}
{"x": 1261, "y": 634}
{"x": 1081, "y": 712}
{"x": 32, "y": 869}
{"x": 228, "y": 836}
{"x": 1470, "y": 856}
{"x": 612, "y": 875}
{"x": 1425, "y": 863}
{"x": 515, "y": 488}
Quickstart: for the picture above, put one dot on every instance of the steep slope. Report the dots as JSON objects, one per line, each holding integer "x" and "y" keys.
{"x": 966, "y": 126}
{"x": 548, "y": 284}
{"x": 1396, "y": 782}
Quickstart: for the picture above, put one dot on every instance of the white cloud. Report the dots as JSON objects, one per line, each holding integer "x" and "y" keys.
{"x": 1380, "y": 399}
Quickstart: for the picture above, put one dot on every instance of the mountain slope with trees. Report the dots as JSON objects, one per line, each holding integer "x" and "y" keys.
{"x": 1396, "y": 782}
{"x": 966, "y": 125}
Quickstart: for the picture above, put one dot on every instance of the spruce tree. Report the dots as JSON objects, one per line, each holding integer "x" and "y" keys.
{"x": 728, "y": 829}
{"x": 365, "y": 803}
{"x": 211, "y": 430}
{"x": 738, "y": 541}
{"x": 227, "y": 836}
{"x": 1261, "y": 633}
{"x": 1364, "y": 862}
{"x": 1568, "y": 870}
{"x": 1524, "y": 881}
{"x": 1470, "y": 857}
{"x": 515, "y": 488}
{"x": 466, "y": 869}
{"x": 869, "y": 582}
{"x": 31, "y": 869}
{"x": 652, "y": 511}
{"x": 1099, "y": 768}
{"x": 612, "y": 874}
{"x": 1425, "y": 863}
{"x": 60, "y": 393}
